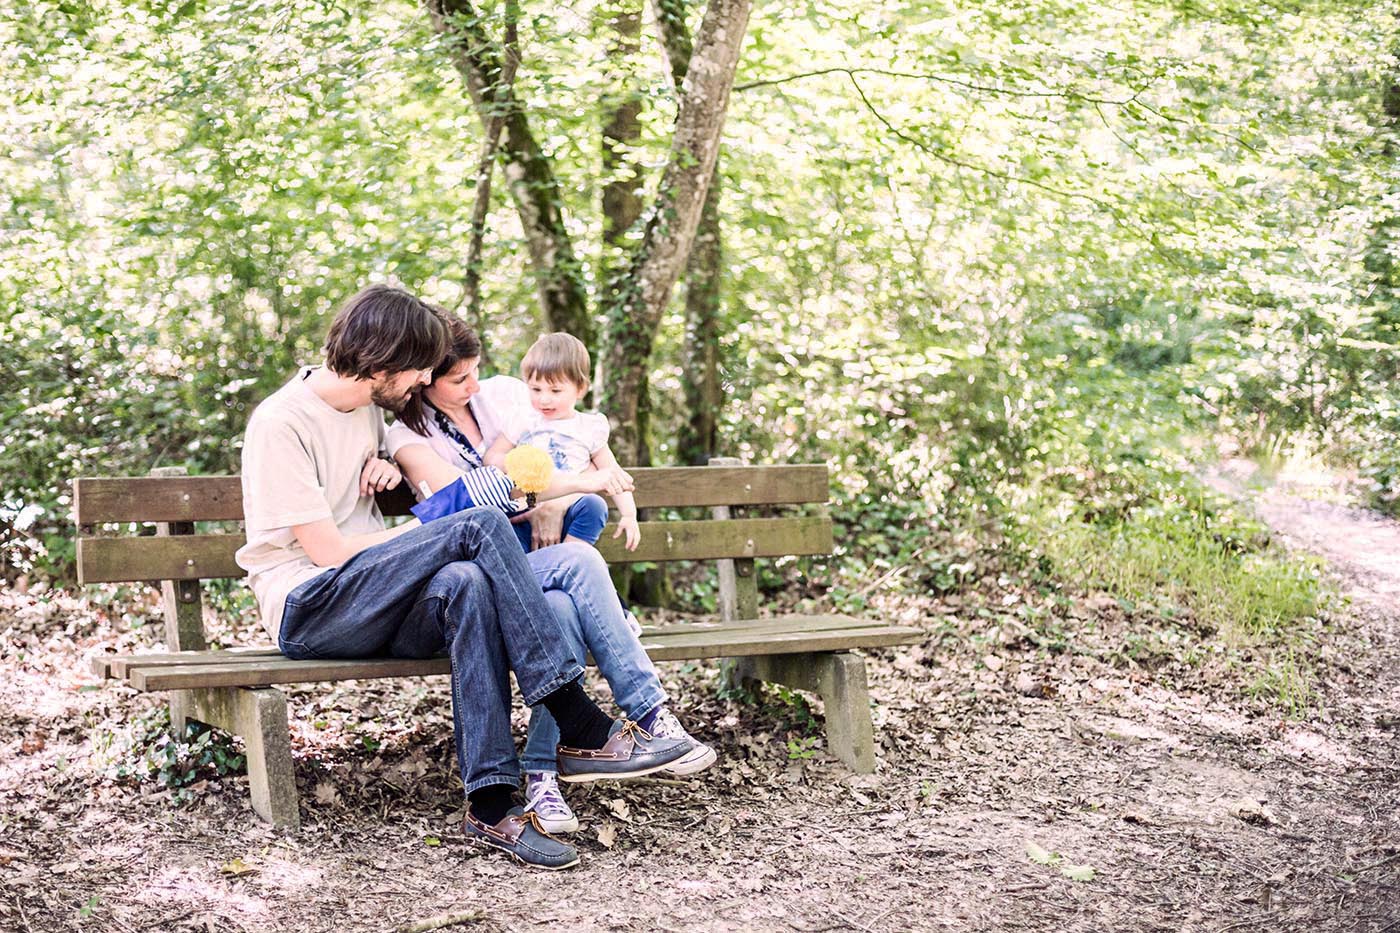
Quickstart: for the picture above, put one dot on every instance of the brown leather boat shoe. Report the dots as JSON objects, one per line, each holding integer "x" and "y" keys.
{"x": 630, "y": 752}
{"x": 520, "y": 834}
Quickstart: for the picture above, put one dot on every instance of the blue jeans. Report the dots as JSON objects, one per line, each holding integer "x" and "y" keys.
{"x": 577, "y": 587}
{"x": 458, "y": 586}
{"x": 583, "y": 520}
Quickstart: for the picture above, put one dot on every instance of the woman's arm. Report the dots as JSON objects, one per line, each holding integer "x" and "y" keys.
{"x": 421, "y": 464}
{"x": 496, "y": 456}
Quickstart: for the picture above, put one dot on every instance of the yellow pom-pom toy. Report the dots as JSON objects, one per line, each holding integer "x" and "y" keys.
{"x": 530, "y": 469}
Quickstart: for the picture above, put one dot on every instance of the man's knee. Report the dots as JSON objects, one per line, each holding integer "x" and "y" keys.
{"x": 488, "y": 519}
{"x": 457, "y": 577}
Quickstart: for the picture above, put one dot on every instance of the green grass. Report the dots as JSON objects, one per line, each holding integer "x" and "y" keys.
{"x": 1203, "y": 560}
{"x": 1250, "y": 594}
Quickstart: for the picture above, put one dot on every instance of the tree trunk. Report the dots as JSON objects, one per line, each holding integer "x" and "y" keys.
{"x": 622, "y": 128}
{"x": 671, "y": 221}
{"x": 529, "y": 176}
{"x": 472, "y": 310}
{"x": 704, "y": 394}
{"x": 1380, "y": 261}
{"x": 622, "y": 204}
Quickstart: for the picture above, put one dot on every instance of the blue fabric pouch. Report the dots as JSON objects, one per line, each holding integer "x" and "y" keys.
{"x": 486, "y": 486}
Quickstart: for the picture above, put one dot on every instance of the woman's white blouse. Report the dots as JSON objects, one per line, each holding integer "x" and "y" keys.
{"x": 497, "y": 403}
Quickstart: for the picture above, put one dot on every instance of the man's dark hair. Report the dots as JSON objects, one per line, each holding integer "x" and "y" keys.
{"x": 462, "y": 344}
{"x": 384, "y": 329}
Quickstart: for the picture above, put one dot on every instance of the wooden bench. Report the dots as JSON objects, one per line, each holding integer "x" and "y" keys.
{"x": 234, "y": 689}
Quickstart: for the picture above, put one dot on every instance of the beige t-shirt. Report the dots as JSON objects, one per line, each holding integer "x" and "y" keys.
{"x": 302, "y": 460}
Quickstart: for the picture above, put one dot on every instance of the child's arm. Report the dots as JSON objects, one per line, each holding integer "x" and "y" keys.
{"x": 496, "y": 456}
{"x": 626, "y": 504}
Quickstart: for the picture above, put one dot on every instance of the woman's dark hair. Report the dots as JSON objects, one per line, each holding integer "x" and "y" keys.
{"x": 462, "y": 344}
{"x": 384, "y": 329}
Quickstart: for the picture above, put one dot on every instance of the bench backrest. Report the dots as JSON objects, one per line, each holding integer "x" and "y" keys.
{"x": 179, "y": 553}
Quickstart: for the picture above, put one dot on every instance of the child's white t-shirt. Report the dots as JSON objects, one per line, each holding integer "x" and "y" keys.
{"x": 570, "y": 442}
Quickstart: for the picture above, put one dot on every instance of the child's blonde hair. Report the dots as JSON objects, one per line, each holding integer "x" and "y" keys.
{"x": 557, "y": 357}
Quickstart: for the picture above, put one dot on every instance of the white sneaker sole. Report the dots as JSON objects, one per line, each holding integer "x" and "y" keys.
{"x": 558, "y": 826}
{"x": 693, "y": 762}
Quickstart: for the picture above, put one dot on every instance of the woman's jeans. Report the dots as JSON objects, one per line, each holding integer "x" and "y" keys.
{"x": 583, "y": 520}
{"x": 460, "y": 586}
{"x": 577, "y": 587}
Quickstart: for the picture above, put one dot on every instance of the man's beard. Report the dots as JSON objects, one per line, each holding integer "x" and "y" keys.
{"x": 380, "y": 396}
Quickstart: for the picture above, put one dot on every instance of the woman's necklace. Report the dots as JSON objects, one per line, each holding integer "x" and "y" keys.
{"x": 459, "y": 440}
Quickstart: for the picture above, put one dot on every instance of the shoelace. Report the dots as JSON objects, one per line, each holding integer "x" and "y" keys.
{"x": 635, "y": 729}
{"x": 667, "y": 725}
{"x": 529, "y": 816}
{"x": 544, "y": 794}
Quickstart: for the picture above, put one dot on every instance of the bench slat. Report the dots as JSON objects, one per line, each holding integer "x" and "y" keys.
{"x": 119, "y": 665}
{"x": 691, "y": 646}
{"x": 109, "y": 665}
{"x": 220, "y": 498}
{"x": 199, "y": 557}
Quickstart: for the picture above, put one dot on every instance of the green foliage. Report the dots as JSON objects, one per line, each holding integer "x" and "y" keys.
{"x": 1183, "y": 554}
{"x": 148, "y": 752}
{"x": 996, "y": 267}
{"x": 789, "y": 707}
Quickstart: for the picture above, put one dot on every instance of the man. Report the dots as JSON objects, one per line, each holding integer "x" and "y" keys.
{"x": 333, "y": 582}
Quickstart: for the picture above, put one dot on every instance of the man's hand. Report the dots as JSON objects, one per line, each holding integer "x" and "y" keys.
{"x": 627, "y": 525}
{"x": 612, "y": 480}
{"x": 379, "y": 475}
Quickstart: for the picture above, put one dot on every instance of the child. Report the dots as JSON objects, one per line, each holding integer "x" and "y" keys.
{"x": 556, "y": 371}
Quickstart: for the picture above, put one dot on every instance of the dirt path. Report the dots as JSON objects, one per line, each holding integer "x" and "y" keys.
{"x": 1196, "y": 807}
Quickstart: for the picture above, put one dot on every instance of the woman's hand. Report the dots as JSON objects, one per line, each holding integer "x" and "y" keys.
{"x": 378, "y": 475}
{"x": 612, "y": 480}
{"x": 547, "y": 522}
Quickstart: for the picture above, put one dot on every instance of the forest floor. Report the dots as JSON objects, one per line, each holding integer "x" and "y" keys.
{"x": 1019, "y": 750}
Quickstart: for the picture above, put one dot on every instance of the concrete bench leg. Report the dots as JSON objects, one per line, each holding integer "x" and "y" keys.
{"x": 259, "y": 716}
{"x": 839, "y": 679}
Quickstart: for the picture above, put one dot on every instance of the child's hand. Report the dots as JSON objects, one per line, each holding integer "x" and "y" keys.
{"x": 378, "y": 475}
{"x": 627, "y": 524}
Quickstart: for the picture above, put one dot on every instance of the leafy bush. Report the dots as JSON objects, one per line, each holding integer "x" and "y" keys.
{"x": 148, "y": 752}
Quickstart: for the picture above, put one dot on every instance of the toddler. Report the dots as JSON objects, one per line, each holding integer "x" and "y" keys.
{"x": 555, "y": 370}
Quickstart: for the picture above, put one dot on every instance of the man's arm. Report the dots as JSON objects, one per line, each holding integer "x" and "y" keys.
{"x": 324, "y": 543}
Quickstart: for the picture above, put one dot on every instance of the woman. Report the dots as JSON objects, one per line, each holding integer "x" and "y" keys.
{"x": 445, "y": 431}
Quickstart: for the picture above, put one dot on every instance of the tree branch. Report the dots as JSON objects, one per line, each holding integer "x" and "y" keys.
{"x": 1116, "y": 212}
{"x": 942, "y": 79}
{"x": 1135, "y": 99}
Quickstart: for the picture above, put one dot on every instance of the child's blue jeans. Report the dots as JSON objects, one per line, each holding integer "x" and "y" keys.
{"x": 583, "y": 520}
